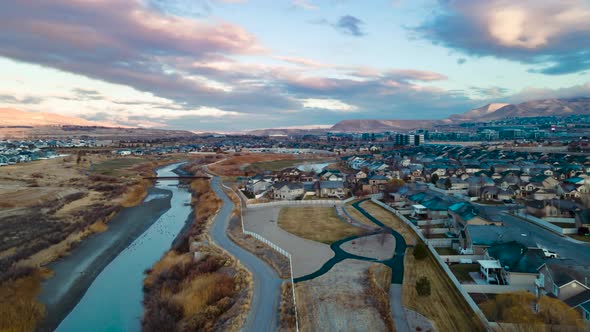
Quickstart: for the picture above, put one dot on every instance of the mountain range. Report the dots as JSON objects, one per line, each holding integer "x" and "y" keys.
{"x": 11, "y": 117}
{"x": 490, "y": 112}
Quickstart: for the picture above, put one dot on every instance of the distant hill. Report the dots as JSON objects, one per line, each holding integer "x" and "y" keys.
{"x": 21, "y": 124}
{"x": 380, "y": 125}
{"x": 476, "y": 113}
{"x": 12, "y": 117}
{"x": 489, "y": 112}
{"x": 543, "y": 107}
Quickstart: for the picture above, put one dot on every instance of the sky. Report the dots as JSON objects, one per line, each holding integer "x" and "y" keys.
{"x": 229, "y": 65}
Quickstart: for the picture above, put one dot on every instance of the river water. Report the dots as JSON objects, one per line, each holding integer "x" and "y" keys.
{"x": 113, "y": 301}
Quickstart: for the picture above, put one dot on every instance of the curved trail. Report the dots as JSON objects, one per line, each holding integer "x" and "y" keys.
{"x": 264, "y": 308}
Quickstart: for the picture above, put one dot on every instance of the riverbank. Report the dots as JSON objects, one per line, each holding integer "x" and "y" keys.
{"x": 74, "y": 273}
{"x": 197, "y": 285}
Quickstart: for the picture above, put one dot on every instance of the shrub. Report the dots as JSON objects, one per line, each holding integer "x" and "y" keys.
{"x": 420, "y": 251}
{"x": 423, "y": 286}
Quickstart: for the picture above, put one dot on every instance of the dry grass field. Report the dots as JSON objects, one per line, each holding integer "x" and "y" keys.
{"x": 445, "y": 307}
{"x": 316, "y": 223}
{"x": 235, "y": 165}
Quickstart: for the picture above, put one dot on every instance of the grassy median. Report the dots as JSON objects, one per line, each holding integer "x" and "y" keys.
{"x": 316, "y": 223}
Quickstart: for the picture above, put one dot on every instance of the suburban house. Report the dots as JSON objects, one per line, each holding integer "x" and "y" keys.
{"x": 288, "y": 190}
{"x": 567, "y": 281}
{"x": 518, "y": 263}
{"x": 326, "y": 189}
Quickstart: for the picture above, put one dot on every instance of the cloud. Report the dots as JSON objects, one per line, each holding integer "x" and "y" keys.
{"x": 552, "y": 36}
{"x": 461, "y": 61}
{"x": 350, "y": 25}
{"x": 329, "y": 104}
{"x": 303, "y": 4}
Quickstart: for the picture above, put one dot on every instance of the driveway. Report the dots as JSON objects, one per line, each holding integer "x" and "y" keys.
{"x": 264, "y": 309}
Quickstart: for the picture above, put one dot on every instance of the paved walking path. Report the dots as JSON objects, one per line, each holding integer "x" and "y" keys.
{"x": 264, "y": 308}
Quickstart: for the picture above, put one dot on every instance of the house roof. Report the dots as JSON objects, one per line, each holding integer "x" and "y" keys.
{"x": 564, "y": 272}
{"x": 516, "y": 257}
{"x": 582, "y": 298}
{"x": 331, "y": 184}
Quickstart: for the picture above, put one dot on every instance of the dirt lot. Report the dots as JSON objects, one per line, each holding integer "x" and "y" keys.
{"x": 379, "y": 246}
{"x": 316, "y": 223}
{"x": 245, "y": 164}
{"x": 339, "y": 300}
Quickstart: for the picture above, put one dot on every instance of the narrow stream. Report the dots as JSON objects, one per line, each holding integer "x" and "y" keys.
{"x": 113, "y": 300}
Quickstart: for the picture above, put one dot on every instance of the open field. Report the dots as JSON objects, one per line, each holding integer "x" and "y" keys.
{"x": 276, "y": 165}
{"x": 316, "y": 223}
{"x": 340, "y": 300}
{"x": 116, "y": 167}
{"x": 239, "y": 164}
{"x": 445, "y": 307}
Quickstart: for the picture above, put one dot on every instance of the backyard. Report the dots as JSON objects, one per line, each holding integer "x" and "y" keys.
{"x": 461, "y": 271}
{"x": 316, "y": 223}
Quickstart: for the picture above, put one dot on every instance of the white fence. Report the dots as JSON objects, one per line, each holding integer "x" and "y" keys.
{"x": 493, "y": 289}
{"x": 547, "y": 225}
{"x": 561, "y": 220}
{"x": 441, "y": 263}
{"x": 319, "y": 202}
{"x": 275, "y": 247}
{"x": 459, "y": 258}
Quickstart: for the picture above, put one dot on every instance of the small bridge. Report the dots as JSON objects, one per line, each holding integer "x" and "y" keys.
{"x": 180, "y": 177}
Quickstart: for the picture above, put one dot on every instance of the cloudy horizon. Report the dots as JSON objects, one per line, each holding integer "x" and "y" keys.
{"x": 232, "y": 65}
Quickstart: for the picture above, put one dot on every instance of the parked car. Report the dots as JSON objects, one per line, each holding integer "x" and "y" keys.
{"x": 549, "y": 253}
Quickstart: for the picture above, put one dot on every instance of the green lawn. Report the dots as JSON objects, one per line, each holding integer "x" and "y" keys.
{"x": 461, "y": 271}
{"x": 116, "y": 166}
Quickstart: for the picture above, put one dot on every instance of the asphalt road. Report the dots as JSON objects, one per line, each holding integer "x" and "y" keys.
{"x": 564, "y": 246}
{"x": 264, "y": 308}
{"x": 533, "y": 235}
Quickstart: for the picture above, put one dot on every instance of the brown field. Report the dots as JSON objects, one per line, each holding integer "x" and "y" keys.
{"x": 445, "y": 307}
{"x": 316, "y": 223}
{"x": 19, "y": 309}
{"x": 237, "y": 164}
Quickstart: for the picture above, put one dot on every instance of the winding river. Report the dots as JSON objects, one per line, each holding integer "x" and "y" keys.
{"x": 113, "y": 300}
